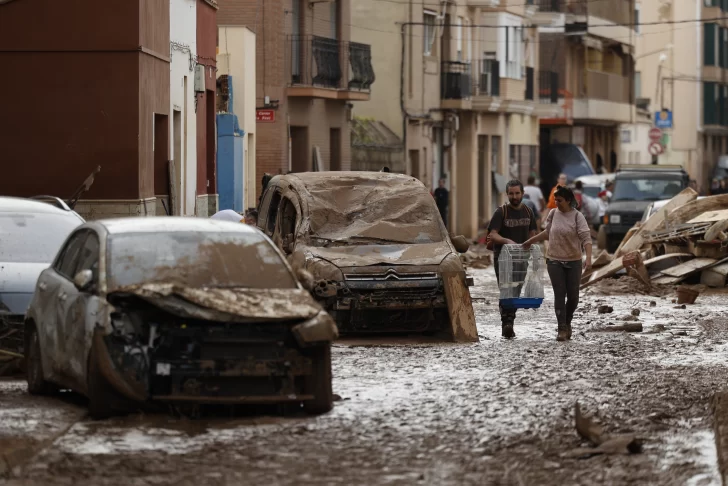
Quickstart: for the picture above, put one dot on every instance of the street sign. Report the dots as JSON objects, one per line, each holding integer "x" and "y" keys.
{"x": 655, "y": 148}
{"x": 663, "y": 119}
{"x": 265, "y": 116}
{"x": 655, "y": 134}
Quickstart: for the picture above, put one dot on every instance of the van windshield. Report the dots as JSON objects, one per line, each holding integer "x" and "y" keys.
{"x": 571, "y": 160}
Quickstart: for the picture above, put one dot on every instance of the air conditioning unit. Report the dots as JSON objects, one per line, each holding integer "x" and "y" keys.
{"x": 200, "y": 78}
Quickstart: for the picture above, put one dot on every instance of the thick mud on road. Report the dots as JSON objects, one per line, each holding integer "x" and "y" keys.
{"x": 497, "y": 412}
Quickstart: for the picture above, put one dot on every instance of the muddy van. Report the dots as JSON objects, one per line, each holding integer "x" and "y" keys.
{"x": 380, "y": 257}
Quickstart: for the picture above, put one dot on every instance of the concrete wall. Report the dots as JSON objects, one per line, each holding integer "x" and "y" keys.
{"x": 183, "y": 36}
{"x": 236, "y": 57}
{"x": 206, "y": 203}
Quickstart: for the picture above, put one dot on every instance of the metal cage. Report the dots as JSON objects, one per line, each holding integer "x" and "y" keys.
{"x": 521, "y": 277}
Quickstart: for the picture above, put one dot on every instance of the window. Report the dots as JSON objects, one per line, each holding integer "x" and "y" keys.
{"x": 459, "y": 38}
{"x": 89, "y": 256}
{"x": 710, "y": 93}
{"x": 637, "y": 18}
{"x": 429, "y": 34}
{"x": 67, "y": 262}
{"x": 513, "y": 55}
{"x": 638, "y": 84}
{"x": 710, "y": 43}
{"x": 334, "y": 15}
{"x": 468, "y": 42}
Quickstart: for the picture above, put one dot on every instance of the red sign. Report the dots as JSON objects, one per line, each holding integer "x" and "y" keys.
{"x": 655, "y": 148}
{"x": 655, "y": 134}
{"x": 266, "y": 116}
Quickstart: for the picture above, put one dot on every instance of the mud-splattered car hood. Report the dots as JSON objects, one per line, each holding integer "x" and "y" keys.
{"x": 224, "y": 304}
{"x": 365, "y": 255}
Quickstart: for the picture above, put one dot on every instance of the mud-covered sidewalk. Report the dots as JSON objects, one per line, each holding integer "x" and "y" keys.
{"x": 496, "y": 412}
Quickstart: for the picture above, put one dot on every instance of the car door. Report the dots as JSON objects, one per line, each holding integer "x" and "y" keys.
{"x": 51, "y": 285}
{"x": 78, "y": 308}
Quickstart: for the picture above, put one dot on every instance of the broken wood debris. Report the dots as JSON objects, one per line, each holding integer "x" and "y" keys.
{"x": 685, "y": 241}
{"x": 602, "y": 443}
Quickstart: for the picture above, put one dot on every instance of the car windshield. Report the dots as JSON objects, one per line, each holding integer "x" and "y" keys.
{"x": 360, "y": 211}
{"x": 33, "y": 237}
{"x": 645, "y": 188}
{"x": 197, "y": 260}
{"x": 592, "y": 191}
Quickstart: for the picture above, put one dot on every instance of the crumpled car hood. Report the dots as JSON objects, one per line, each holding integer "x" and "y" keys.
{"x": 227, "y": 305}
{"x": 365, "y": 255}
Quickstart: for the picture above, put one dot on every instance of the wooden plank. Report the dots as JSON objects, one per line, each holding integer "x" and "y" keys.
{"x": 716, "y": 232}
{"x": 711, "y": 216}
{"x": 656, "y": 221}
{"x": 609, "y": 271}
{"x": 716, "y": 276}
{"x": 687, "y": 268}
{"x": 666, "y": 280}
{"x": 630, "y": 233}
{"x": 704, "y": 249}
{"x": 602, "y": 259}
{"x": 695, "y": 208}
{"x": 460, "y": 307}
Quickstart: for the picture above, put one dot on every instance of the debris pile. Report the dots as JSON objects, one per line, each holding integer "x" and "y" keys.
{"x": 477, "y": 257}
{"x": 685, "y": 241}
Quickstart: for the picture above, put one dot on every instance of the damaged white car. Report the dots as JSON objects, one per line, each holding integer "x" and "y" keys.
{"x": 381, "y": 257}
{"x": 178, "y": 311}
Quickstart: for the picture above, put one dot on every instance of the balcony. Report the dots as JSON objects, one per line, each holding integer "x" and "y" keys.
{"x": 488, "y": 80}
{"x": 603, "y": 96}
{"x": 573, "y": 7}
{"x": 455, "y": 85}
{"x": 319, "y": 67}
{"x": 548, "y": 87}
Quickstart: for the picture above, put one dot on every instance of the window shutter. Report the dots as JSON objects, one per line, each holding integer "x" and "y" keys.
{"x": 709, "y": 107}
{"x": 709, "y": 44}
{"x": 721, "y": 47}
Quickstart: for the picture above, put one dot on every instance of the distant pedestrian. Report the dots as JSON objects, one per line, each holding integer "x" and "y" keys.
{"x": 534, "y": 193}
{"x": 569, "y": 237}
{"x": 724, "y": 186}
{"x": 532, "y": 206}
{"x": 561, "y": 182}
{"x": 442, "y": 200}
{"x": 251, "y": 217}
{"x": 609, "y": 187}
{"x": 511, "y": 224}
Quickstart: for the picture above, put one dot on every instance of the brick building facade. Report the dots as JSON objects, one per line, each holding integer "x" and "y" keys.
{"x": 308, "y": 73}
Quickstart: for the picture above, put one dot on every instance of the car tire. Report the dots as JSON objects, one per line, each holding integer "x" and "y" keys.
{"x": 101, "y": 397}
{"x": 318, "y": 383}
{"x": 37, "y": 385}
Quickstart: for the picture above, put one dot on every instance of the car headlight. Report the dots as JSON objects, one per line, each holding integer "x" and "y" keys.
{"x": 615, "y": 218}
{"x": 323, "y": 270}
{"x": 451, "y": 263}
{"x": 320, "y": 329}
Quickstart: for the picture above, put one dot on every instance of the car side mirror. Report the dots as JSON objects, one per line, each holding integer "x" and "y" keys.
{"x": 461, "y": 244}
{"x": 83, "y": 280}
{"x": 306, "y": 279}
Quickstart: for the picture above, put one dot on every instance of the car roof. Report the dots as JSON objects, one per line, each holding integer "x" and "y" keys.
{"x": 315, "y": 178}
{"x": 595, "y": 178}
{"x": 171, "y": 224}
{"x": 19, "y": 204}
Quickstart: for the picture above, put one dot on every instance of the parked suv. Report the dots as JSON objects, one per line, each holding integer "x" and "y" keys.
{"x": 635, "y": 187}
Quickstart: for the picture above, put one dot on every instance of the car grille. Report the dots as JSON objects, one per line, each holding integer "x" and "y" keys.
{"x": 390, "y": 275}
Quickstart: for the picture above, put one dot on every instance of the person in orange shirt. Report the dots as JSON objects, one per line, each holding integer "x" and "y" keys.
{"x": 560, "y": 183}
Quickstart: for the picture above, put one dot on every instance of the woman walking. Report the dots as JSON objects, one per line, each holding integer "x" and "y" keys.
{"x": 569, "y": 236}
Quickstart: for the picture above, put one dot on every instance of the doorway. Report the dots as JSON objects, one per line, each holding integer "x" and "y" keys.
{"x": 335, "y": 149}
{"x": 161, "y": 157}
{"x": 299, "y": 149}
{"x": 414, "y": 162}
{"x": 175, "y": 198}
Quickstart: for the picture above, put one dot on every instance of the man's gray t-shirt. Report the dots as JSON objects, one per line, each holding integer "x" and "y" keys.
{"x": 517, "y": 225}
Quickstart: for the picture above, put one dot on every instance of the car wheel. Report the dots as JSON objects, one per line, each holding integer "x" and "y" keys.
{"x": 37, "y": 385}
{"x": 318, "y": 383}
{"x": 101, "y": 397}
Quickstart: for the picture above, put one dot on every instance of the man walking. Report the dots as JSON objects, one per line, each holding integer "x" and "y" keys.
{"x": 442, "y": 199}
{"x": 534, "y": 193}
{"x": 512, "y": 223}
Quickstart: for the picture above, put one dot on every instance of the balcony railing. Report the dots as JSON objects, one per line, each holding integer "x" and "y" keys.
{"x": 456, "y": 81}
{"x": 574, "y": 7}
{"x": 488, "y": 79}
{"x": 328, "y": 63}
{"x": 548, "y": 87}
{"x": 606, "y": 86}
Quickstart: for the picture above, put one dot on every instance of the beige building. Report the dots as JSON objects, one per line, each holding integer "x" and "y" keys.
{"x": 683, "y": 68}
{"x": 465, "y": 98}
{"x": 590, "y": 44}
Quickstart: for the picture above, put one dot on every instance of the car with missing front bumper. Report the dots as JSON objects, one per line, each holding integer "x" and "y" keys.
{"x": 177, "y": 311}
{"x": 381, "y": 258}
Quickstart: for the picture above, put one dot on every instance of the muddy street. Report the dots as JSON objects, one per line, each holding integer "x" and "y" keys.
{"x": 496, "y": 412}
